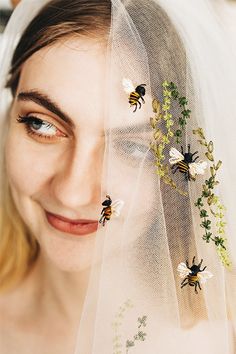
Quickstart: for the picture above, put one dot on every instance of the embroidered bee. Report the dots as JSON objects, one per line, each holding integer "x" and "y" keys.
{"x": 185, "y": 163}
{"x": 135, "y": 94}
{"x": 194, "y": 275}
{"x": 110, "y": 209}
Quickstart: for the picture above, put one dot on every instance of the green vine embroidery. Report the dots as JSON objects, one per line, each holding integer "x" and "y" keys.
{"x": 117, "y": 339}
{"x": 208, "y": 196}
{"x": 185, "y": 113}
{"x": 214, "y": 204}
{"x": 139, "y": 336}
{"x": 161, "y": 140}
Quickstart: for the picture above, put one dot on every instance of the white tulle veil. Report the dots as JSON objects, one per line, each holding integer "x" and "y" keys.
{"x": 134, "y": 302}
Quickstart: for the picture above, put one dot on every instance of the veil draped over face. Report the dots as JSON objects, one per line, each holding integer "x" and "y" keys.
{"x": 134, "y": 302}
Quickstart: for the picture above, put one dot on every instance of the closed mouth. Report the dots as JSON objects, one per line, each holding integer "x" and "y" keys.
{"x": 79, "y": 227}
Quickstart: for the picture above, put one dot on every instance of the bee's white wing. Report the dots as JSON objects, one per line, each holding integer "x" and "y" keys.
{"x": 116, "y": 206}
{"x": 197, "y": 168}
{"x": 128, "y": 85}
{"x": 183, "y": 270}
{"x": 175, "y": 156}
{"x": 203, "y": 276}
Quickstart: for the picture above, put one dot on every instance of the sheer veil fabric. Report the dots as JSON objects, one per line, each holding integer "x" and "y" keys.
{"x": 134, "y": 302}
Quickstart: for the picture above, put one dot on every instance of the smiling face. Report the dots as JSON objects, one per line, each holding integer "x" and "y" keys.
{"x": 55, "y": 148}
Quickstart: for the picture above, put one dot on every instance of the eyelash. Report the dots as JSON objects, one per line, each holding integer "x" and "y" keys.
{"x": 28, "y": 121}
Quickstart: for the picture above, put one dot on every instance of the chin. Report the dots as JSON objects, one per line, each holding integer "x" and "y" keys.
{"x": 67, "y": 253}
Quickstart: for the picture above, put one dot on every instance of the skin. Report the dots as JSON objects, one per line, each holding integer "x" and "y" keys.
{"x": 15, "y": 2}
{"x": 64, "y": 176}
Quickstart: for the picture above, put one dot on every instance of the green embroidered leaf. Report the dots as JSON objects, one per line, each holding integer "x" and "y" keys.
{"x": 186, "y": 113}
{"x": 213, "y": 173}
{"x": 172, "y": 86}
{"x": 142, "y": 321}
{"x": 206, "y": 224}
{"x": 219, "y": 163}
{"x": 158, "y": 134}
{"x": 209, "y": 156}
{"x": 203, "y": 214}
{"x": 210, "y": 147}
{"x": 183, "y": 101}
{"x": 153, "y": 122}
{"x": 207, "y": 237}
{"x": 210, "y": 199}
{"x": 156, "y": 106}
{"x": 199, "y": 202}
{"x": 129, "y": 343}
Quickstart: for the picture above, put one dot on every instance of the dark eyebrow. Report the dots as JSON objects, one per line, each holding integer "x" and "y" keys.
{"x": 44, "y": 101}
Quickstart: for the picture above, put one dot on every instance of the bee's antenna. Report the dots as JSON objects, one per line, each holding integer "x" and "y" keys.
{"x": 199, "y": 265}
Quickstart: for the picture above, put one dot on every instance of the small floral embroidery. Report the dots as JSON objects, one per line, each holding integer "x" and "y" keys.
{"x": 140, "y": 336}
{"x": 209, "y": 200}
{"x": 118, "y": 347}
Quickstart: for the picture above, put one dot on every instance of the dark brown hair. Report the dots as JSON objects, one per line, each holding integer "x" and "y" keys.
{"x": 56, "y": 20}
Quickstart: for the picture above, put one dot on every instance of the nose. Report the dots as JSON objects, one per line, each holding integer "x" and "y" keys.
{"x": 77, "y": 182}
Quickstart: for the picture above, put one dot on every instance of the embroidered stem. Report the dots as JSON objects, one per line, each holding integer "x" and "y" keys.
{"x": 117, "y": 339}
{"x": 214, "y": 204}
{"x": 208, "y": 201}
{"x": 161, "y": 140}
{"x": 185, "y": 113}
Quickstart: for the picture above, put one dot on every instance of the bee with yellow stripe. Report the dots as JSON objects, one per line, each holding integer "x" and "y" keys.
{"x": 110, "y": 209}
{"x": 135, "y": 94}
{"x": 194, "y": 275}
{"x": 185, "y": 163}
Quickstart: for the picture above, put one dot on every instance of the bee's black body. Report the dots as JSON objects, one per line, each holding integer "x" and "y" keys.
{"x": 107, "y": 211}
{"x": 136, "y": 95}
{"x": 183, "y": 166}
{"x": 192, "y": 279}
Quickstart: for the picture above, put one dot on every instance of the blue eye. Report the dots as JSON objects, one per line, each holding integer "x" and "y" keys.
{"x": 40, "y": 128}
{"x": 37, "y": 125}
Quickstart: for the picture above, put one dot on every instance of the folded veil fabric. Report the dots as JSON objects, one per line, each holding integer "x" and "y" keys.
{"x": 134, "y": 302}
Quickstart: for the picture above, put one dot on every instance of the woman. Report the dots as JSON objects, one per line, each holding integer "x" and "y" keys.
{"x": 73, "y": 139}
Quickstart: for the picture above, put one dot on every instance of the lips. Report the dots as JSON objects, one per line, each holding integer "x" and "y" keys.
{"x": 79, "y": 227}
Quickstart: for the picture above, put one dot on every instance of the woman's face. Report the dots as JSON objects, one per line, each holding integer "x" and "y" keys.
{"x": 56, "y": 151}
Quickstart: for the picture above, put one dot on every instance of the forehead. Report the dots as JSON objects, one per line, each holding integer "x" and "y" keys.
{"x": 81, "y": 76}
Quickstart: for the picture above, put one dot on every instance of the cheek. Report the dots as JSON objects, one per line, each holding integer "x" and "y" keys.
{"x": 28, "y": 166}
{"x": 126, "y": 180}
